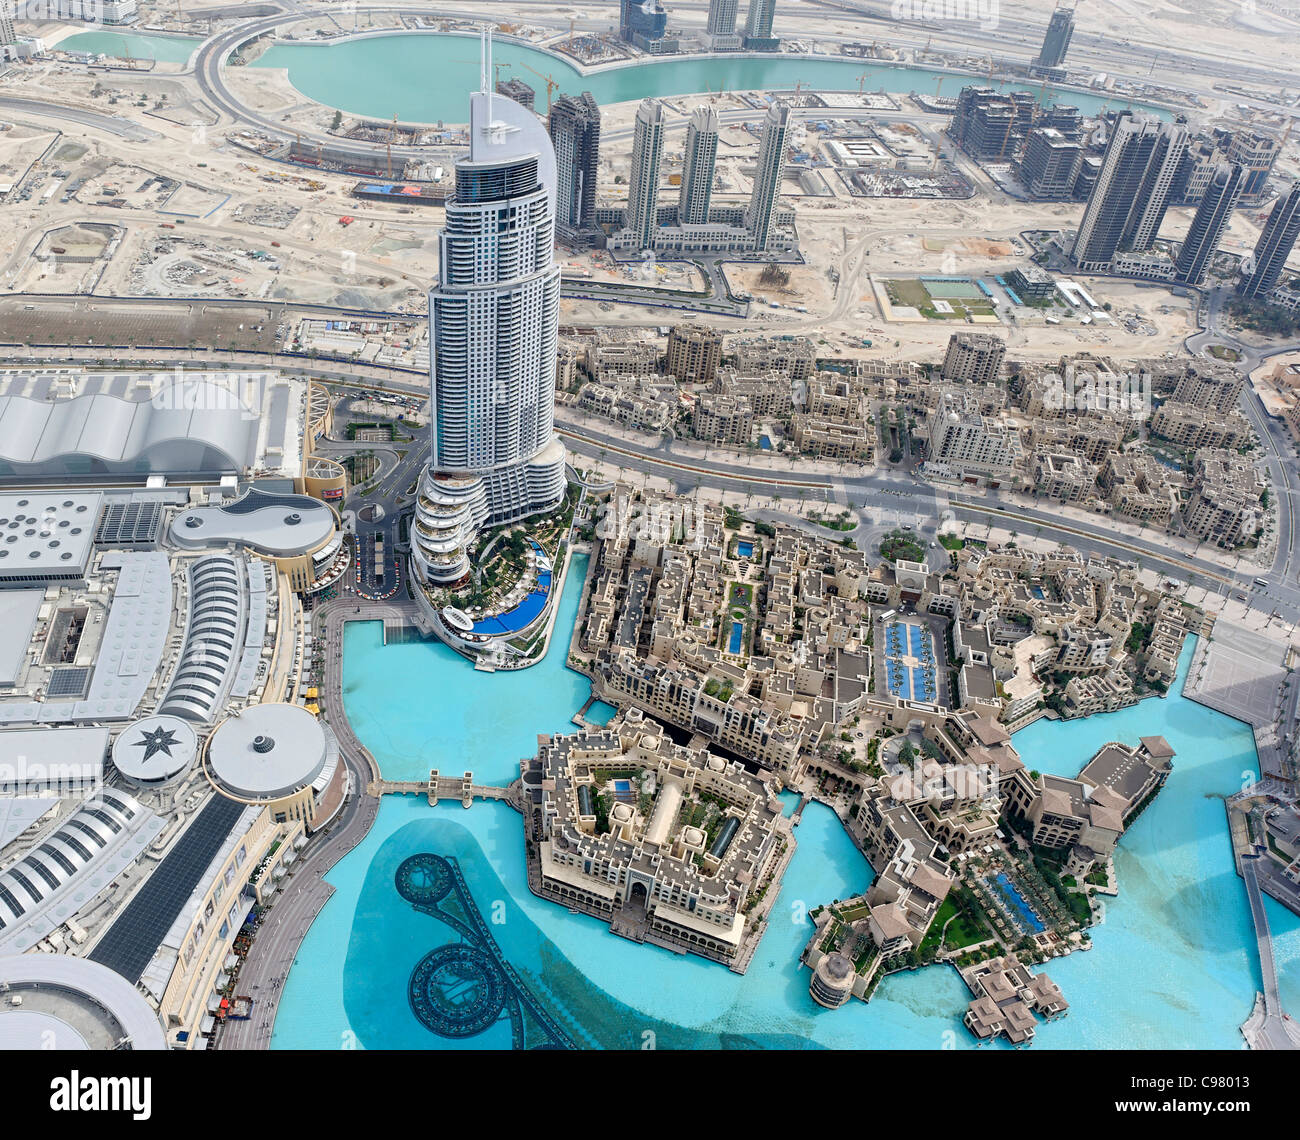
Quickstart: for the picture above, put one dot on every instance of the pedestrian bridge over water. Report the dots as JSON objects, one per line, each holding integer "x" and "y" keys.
{"x": 439, "y": 787}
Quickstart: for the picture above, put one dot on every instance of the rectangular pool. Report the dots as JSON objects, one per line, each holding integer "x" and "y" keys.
{"x": 737, "y": 636}
{"x": 745, "y": 549}
{"x": 1018, "y": 903}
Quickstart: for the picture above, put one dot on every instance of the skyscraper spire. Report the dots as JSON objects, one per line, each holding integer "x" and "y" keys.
{"x": 485, "y": 64}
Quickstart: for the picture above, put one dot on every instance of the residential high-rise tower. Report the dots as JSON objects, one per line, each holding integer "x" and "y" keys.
{"x": 1060, "y": 28}
{"x": 758, "y": 26}
{"x": 1129, "y": 198}
{"x": 697, "y": 169}
{"x": 641, "y": 216}
{"x": 767, "y": 178}
{"x": 1211, "y": 219}
{"x": 1275, "y": 243}
{"x": 574, "y": 127}
{"x": 721, "y": 28}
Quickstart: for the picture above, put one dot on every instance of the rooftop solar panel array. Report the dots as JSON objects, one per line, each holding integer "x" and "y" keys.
{"x": 132, "y": 523}
{"x": 69, "y": 681}
{"x": 130, "y": 943}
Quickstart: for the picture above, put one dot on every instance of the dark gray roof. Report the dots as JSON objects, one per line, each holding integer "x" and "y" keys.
{"x": 278, "y": 525}
{"x": 133, "y": 939}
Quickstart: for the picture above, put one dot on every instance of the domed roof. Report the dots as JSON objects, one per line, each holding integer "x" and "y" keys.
{"x": 267, "y": 751}
{"x": 155, "y": 749}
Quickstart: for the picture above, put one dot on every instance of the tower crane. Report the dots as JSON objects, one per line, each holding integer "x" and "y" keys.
{"x": 551, "y": 85}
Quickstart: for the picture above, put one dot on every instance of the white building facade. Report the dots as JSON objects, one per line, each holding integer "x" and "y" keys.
{"x": 495, "y": 457}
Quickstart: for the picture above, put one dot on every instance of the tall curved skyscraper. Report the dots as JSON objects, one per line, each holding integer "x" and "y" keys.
{"x": 494, "y": 316}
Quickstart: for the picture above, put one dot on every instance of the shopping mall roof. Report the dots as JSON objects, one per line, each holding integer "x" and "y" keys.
{"x": 281, "y": 526}
{"x": 268, "y": 751}
{"x": 130, "y": 649}
{"x": 197, "y": 424}
{"x": 18, "y": 613}
{"x": 224, "y": 635}
{"x": 85, "y": 1005}
{"x": 72, "y": 865}
{"x": 52, "y": 761}
{"x": 130, "y": 943}
{"x": 46, "y": 534}
{"x": 155, "y": 750}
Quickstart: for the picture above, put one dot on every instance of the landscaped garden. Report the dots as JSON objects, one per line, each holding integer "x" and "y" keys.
{"x": 899, "y": 544}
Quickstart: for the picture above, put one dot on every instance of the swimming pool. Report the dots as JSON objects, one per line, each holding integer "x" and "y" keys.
{"x": 907, "y": 642}
{"x": 1018, "y": 904}
{"x": 745, "y": 549}
{"x": 737, "y": 636}
{"x": 527, "y": 611}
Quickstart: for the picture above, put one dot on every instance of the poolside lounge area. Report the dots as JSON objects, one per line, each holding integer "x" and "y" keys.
{"x": 911, "y": 671}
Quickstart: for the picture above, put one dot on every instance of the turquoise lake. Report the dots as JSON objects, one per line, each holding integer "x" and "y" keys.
{"x": 419, "y": 705}
{"x": 164, "y": 49}
{"x": 425, "y": 77}
{"x": 1173, "y": 965}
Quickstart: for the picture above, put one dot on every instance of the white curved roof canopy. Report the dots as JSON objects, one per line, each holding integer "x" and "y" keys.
{"x": 215, "y": 631}
{"x": 191, "y": 424}
{"x": 103, "y": 1003}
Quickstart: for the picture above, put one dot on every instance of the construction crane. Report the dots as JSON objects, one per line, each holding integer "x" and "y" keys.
{"x": 496, "y": 70}
{"x": 551, "y": 85}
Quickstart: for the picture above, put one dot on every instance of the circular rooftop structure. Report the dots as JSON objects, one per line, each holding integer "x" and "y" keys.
{"x": 267, "y": 752}
{"x": 155, "y": 751}
{"x": 832, "y": 980}
{"x": 72, "y": 1003}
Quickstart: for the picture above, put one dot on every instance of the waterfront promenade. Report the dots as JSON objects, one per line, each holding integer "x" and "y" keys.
{"x": 305, "y": 892}
{"x": 1269, "y": 1026}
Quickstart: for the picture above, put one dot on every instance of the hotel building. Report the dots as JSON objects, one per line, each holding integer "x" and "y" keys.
{"x": 495, "y": 457}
